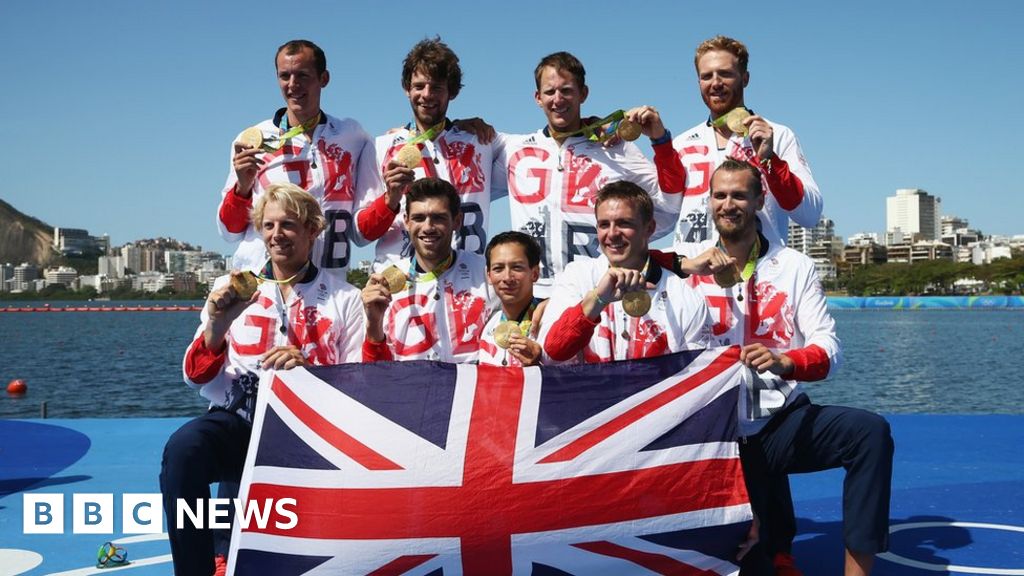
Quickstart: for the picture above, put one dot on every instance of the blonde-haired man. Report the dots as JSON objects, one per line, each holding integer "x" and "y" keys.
{"x": 298, "y": 315}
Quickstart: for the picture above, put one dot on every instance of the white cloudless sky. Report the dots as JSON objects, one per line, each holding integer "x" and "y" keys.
{"x": 118, "y": 115}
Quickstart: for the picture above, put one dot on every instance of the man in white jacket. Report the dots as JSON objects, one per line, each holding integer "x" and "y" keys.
{"x": 298, "y": 315}
{"x": 767, "y": 298}
{"x": 792, "y": 193}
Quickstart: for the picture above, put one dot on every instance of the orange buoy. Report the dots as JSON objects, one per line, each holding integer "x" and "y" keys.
{"x": 17, "y": 387}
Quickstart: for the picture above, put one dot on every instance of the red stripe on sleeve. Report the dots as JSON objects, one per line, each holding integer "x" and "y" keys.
{"x": 234, "y": 211}
{"x": 203, "y": 364}
{"x": 569, "y": 334}
{"x": 376, "y": 351}
{"x": 784, "y": 185}
{"x": 810, "y": 363}
{"x": 375, "y": 220}
{"x": 671, "y": 174}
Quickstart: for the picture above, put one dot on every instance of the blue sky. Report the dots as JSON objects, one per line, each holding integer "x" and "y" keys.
{"x": 119, "y": 114}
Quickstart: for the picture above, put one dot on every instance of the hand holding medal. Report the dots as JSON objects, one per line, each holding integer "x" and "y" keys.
{"x": 514, "y": 337}
{"x": 504, "y": 331}
{"x": 731, "y": 275}
{"x": 395, "y": 279}
{"x": 734, "y": 121}
{"x": 728, "y": 276}
{"x": 604, "y": 130}
{"x": 244, "y": 284}
{"x": 410, "y": 155}
{"x": 643, "y": 120}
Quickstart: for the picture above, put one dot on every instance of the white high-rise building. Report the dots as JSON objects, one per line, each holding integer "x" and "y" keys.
{"x": 61, "y": 275}
{"x": 110, "y": 266}
{"x": 820, "y": 243}
{"x": 131, "y": 258}
{"x": 912, "y": 215}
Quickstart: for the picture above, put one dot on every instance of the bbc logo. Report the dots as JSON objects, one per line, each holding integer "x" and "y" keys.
{"x": 92, "y": 513}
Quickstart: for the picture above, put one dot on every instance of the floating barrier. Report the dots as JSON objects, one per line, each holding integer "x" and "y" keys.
{"x": 925, "y": 302}
{"x": 48, "y": 308}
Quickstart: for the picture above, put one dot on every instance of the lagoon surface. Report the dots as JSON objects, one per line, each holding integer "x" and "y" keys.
{"x": 128, "y": 364}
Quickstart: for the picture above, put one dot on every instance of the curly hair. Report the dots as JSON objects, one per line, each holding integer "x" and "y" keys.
{"x": 434, "y": 58}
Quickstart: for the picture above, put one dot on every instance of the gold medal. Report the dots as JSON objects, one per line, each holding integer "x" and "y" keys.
{"x": 409, "y": 156}
{"x": 628, "y": 130}
{"x": 395, "y": 278}
{"x": 727, "y": 277}
{"x": 734, "y": 120}
{"x": 636, "y": 303}
{"x": 251, "y": 137}
{"x": 245, "y": 284}
{"x": 504, "y": 331}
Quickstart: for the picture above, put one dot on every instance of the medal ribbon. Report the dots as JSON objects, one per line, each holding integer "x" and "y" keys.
{"x": 433, "y": 274}
{"x": 267, "y": 275}
{"x": 428, "y": 135}
{"x": 525, "y": 319}
{"x": 596, "y": 130}
{"x": 748, "y": 268}
{"x": 288, "y": 135}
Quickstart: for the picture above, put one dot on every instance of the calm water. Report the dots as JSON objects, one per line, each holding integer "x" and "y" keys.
{"x": 95, "y": 364}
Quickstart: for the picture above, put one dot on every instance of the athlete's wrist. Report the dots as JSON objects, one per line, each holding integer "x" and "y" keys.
{"x": 663, "y": 139}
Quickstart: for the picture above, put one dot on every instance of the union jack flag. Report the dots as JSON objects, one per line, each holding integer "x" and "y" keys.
{"x": 426, "y": 468}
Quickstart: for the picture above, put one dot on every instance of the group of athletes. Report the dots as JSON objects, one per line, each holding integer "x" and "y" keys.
{"x": 573, "y": 281}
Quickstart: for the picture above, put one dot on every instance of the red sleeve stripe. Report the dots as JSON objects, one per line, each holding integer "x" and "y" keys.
{"x": 201, "y": 363}
{"x": 784, "y": 185}
{"x": 376, "y": 351}
{"x": 810, "y": 363}
{"x": 375, "y": 220}
{"x": 671, "y": 174}
{"x": 569, "y": 334}
{"x": 234, "y": 211}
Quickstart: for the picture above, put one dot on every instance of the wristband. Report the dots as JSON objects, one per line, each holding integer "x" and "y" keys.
{"x": 677, "y": 266}
{"x": 666, "y": 137}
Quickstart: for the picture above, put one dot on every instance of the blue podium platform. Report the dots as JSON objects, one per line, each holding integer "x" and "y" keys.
{"x": 957, "y": 504}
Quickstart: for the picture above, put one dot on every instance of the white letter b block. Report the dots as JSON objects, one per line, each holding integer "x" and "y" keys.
{"x": 43, "y": 513}
{"x": 93, "y": 514}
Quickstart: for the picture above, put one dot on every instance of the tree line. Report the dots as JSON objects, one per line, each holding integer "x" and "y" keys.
{"x": 1003, "y": 276}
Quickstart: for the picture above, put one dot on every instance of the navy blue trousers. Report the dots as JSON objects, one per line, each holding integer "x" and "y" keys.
{"x": 208, "y": 449}
{"x": 807, "y": 437}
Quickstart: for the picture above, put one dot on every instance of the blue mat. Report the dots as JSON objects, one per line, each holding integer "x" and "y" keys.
{"x": 957, "y": 506}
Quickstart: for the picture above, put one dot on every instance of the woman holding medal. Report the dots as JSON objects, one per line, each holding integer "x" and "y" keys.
{"x": 509, "y": 338}
{"x": 290, "y": 314}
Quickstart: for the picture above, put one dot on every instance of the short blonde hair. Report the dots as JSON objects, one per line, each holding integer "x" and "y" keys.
{"x": 293, "y": 200}
{"x": 730, "y": 45}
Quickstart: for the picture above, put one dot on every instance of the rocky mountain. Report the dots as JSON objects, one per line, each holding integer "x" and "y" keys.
{"x": 24, "y": 238}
